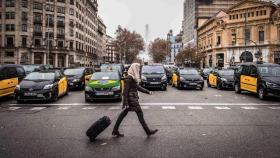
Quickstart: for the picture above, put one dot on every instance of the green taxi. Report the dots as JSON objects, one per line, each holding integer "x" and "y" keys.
{"x": 103, "y": 86}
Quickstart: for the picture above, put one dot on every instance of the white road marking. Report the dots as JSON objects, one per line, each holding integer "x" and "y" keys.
{"x": 63, "y": 108}
{"x": 145, "y": 107}
{"x": 275, "y": 108}
{"x": 115, "y": 108}
{"x": 37, "y": 108}
{"x": 249, "y": 108}
{"x": 89, "y": 108}
{"x": 13, "y": 108}
{"x": 222, "y": 108}
{"x": 168, "y": 107}
{"x": 195, "y": 107}
{"x": 217, "y": 95}
{"x": 158, "y": 104}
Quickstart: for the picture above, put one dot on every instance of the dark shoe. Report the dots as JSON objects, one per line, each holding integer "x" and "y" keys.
{"x": 152, "y": 132}
{"x": 117, "y": 134}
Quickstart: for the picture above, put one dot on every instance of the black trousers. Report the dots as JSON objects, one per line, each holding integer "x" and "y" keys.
{"x": 140, "y": 115}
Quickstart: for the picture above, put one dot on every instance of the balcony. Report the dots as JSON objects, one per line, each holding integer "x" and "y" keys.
{"x": 37, "y": 33}
{"x": 9, "y": 46}
{"x": 24, "y": 18}
{"x": 60, "y": 36}
{"x": 50, "y": 24}
{"x": 38, "y": 22}
{"x": 60, "y": 24}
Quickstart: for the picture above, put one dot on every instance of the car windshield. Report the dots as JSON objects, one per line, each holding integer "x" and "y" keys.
{"x": 105, "y": 76}
{"x": 30, "y": 68}
{"x": 270, "y": 71}
{"x": 207, "y": 70}
{"x": 189, "y": 72}
{"x": 153, "y": 70}
{"x": 111, "y": 68}
{"x": 226, "y": 72}
{"x": 34, "y": 76}
{"x": 74, "y": 72}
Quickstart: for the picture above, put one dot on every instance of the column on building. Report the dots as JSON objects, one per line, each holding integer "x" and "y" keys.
{"x": 56, "y": 60}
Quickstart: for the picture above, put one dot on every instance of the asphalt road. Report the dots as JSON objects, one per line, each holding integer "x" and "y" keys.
{"x": 191, "y": 123}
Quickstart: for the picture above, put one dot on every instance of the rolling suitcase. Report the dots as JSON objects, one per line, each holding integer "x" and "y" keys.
{"x": 97, "y": 127}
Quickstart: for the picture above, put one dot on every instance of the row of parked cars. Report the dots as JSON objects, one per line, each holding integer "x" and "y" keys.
{"x": 40, "y": 82}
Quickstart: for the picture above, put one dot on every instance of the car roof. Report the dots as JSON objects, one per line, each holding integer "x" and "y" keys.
{"x": 10, "y": 65}
{"x": 258, "y": 64}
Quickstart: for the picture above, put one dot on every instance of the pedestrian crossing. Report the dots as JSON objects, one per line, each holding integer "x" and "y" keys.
{"x": 170, "y": 108}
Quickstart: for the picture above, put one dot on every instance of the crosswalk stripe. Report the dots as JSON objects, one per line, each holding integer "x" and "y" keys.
{"x": 89, "y": 108}
{"x": 37, "y": 108}
{"x": 63, "y": 108}
{"x": 275, "y": 108}
{"x": 13, "y": 108}
{"x": 222, "y": 108}
{"x": 168, "y": 107}
{"x": 145, "y": 107}
{"x": 115, "y": 108}
{"x": 249, "y": 108}
{"x": 195, "y": 107}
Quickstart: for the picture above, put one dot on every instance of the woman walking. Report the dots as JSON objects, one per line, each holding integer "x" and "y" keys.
{"x": 130, "y": 100}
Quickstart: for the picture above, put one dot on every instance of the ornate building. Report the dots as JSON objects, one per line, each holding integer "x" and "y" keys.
{"x": 240, "y": 33}
{"x": 58, "y": 32}
{"x": 113, "y": 55}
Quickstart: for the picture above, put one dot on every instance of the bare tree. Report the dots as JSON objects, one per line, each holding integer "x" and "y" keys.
{"x": 158, "y": 50}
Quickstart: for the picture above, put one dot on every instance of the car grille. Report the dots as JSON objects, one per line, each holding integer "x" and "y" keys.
{"x": 30, "y": 89}
{"x": 154, "y": 79}
{"x": 102, "y": 89}
{"x": 193, "y": 80}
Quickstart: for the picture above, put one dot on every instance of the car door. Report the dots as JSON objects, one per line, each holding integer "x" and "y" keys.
{"x": 60, "y": 84}
{"x": 11, "y": 81}
{"x": 3, "y": 82}
{"x": 248, "y": 79}
{"x": 64, "y": 82}
{"x": 87, "y": 75}
{"x": 175, "y": 78}
{"x": 213, "y": 78}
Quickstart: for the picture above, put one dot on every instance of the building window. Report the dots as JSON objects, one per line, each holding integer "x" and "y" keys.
{"x": 24, "y": 41}
{"x": 233, "y": 36}
{"x": 61, "y": 10}
{"x": 71, "y": 11}
{"x": 10, "y": 41}
{"x": 60, "y": 31}
{"x": 9, "y": 54}
{"x": 277, "y": 57}
{"x": 24, "y": 3}
{"x": 253, "y": 14}
{"x": 261, "y": 36}
{"x": 71, "y": 45}
{"x": 24, "y": 16}
{"x": 38, "y": 18}
{"x": 10, "y": 27}
{"x": 0, "y": 30}
{"x": 10, "y": 3}
{"x": 50, "y": 21}
{"x": 60, "y": 44}
{"x": 72, "y": 2}
{"x": 37, "y": 42}
{"x": 37, "y": 28}
{"x": 10, "y": 15}
{"x": 24, "y": 28}
{"x": 61, "y": 1}
{"x": 257, "y": 13}
{"x": 264, "y": 12}
{"x": 218, "y": 40}
{"x": 71, "y": 33}
{"x": 50, "y": 7}
{"x": 38, "y": 6}
{"x": 247, "y": 34}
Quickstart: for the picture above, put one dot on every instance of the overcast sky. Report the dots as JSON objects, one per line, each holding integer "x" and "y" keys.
{"x": 161, "y": 15}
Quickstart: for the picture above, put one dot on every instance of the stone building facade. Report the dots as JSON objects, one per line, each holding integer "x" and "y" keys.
{"x": 238, "y": 34}
{"x": 112, "y": 52}
{"x": 57, "y": 32}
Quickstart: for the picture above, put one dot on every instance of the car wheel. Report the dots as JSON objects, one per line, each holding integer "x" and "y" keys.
{"x": 202, "y": 86}
{"x": 67, "y": 91}
{"x": 164, "y": 88}
{"x": 237, "y": 88}
{"x": 261, "y": 93}
{"x": 87, "y": 100}
{"x": 55, "y": 96}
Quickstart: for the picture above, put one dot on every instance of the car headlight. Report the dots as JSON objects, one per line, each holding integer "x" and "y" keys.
{"x": 182, "y": 78}
{"x": 201, "y": 78}
{"x": 88, "y": 89}
{"x": 223, "y": 79}
{"x": 48, "y": 86}
{"x": 164, "y": 78}
{"x": 116, "y": 88}
{"x": 18, "y": 87}
{"x": 269, "y": 84}
{"x": 76, "y": 80}
{"x": 143, "y": 78}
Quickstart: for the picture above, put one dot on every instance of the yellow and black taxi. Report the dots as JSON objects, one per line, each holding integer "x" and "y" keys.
{"x": 221, "y": 79}
{"x": 42, "y": 85}
{"x": 104, "y": 85}
{"x": 10, "y": 76}
{"x": 260, "y": 78}
{"x": 78, "y": 77}
{"x": 187, "y": 78}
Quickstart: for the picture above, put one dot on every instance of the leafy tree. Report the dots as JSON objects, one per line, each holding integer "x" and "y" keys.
{"x": 158, "y": 50}
{"x": 128, "y": 43}
{"x": 188, "y": 57}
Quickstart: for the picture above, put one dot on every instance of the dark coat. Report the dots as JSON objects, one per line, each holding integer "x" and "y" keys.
{"x": 130, "y": 94}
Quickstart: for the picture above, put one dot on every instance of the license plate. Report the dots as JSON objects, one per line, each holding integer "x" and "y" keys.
{"x": 193, "y": 84}
{"x": 30, "y": 94}
{"x": 155, "y": 83}
{"x": 104, "y": 93}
